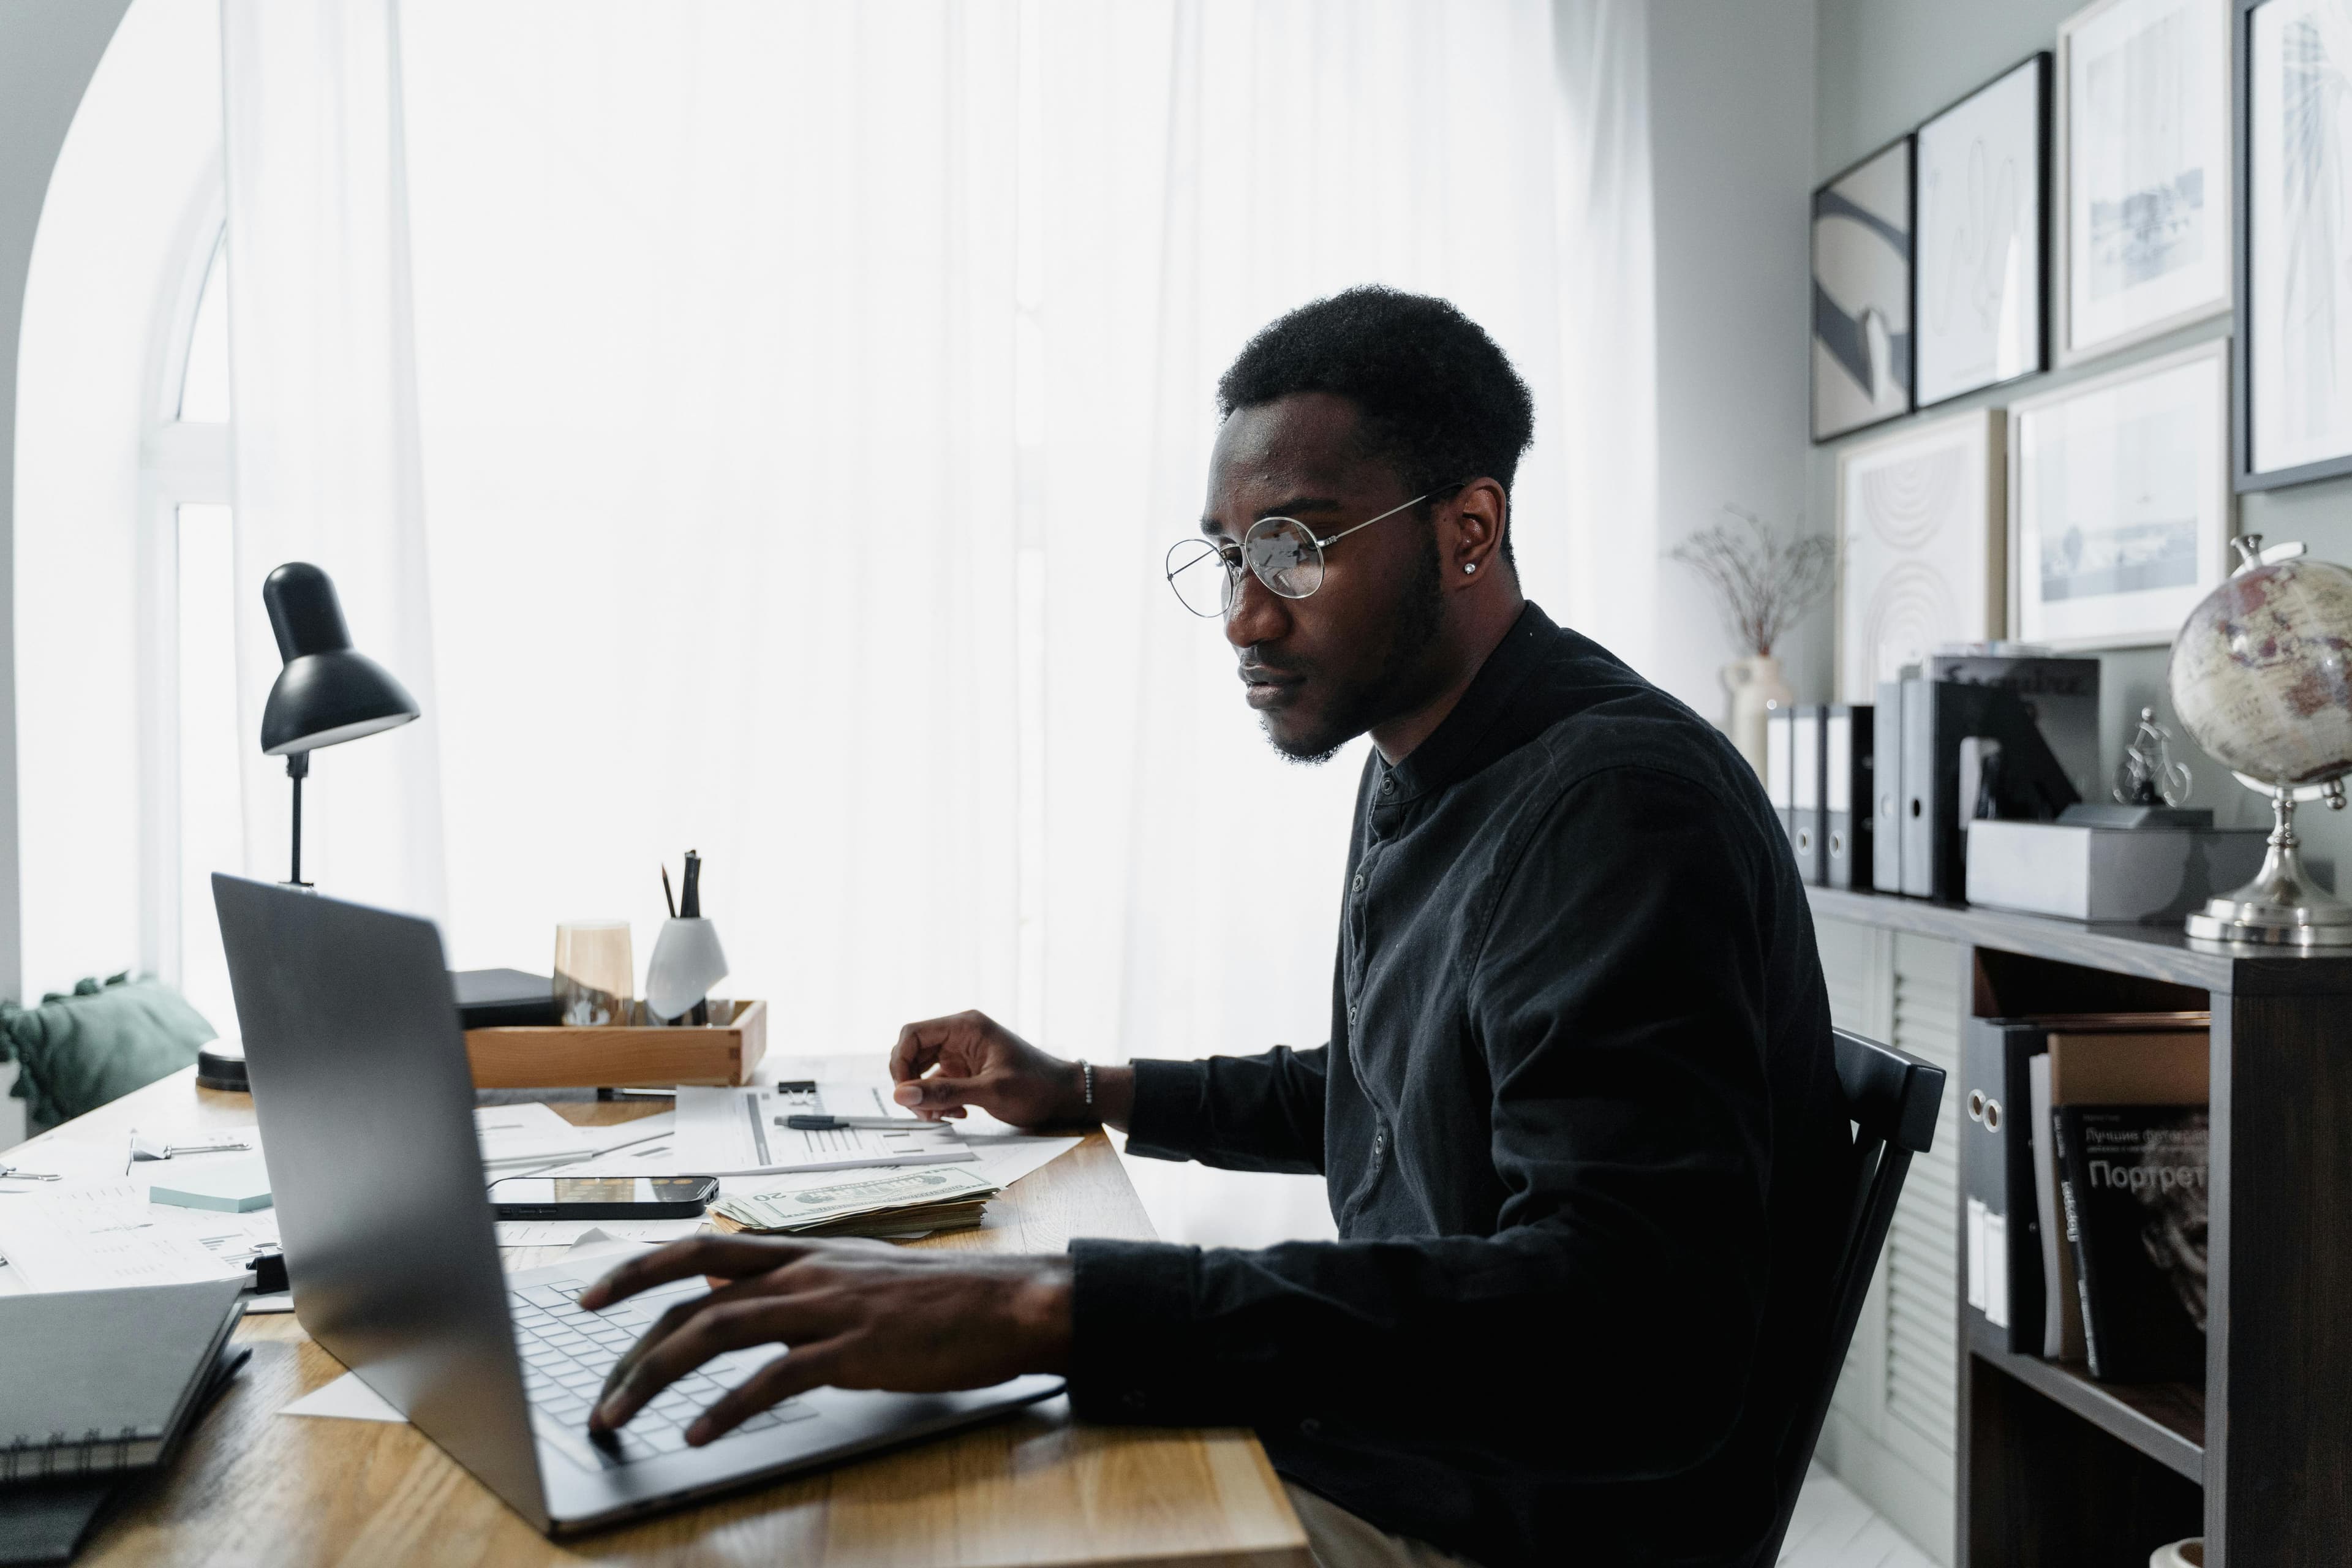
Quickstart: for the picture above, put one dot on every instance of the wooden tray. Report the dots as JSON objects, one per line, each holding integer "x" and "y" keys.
{"x": 621, "y": 1056}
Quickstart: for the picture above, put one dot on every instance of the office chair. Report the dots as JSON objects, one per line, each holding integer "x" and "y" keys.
{"x": 1891, "y": 1098}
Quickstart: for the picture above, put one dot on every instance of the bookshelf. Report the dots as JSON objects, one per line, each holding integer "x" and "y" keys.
{"x": 2055, "y": 1469}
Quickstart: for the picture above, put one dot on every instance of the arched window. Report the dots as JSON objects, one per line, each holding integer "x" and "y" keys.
{"x": 128, "y": 744}
{"x": 191, "y": 784}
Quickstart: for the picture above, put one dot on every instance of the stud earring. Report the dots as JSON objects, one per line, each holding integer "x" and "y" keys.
{"x": 1469, "y": 566}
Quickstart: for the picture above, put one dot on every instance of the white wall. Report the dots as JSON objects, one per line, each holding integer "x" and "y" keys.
{"x": 1731, "y": 110}
{"x": 47, "y": 50}
{"x": 1881, "y": 68}
{"x": 130, "y": 213}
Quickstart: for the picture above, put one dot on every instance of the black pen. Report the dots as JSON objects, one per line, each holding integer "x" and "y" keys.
{"x": 667, "y": 898}
{"x": 802, "y": 1122}
{"x": 689, "y": 907}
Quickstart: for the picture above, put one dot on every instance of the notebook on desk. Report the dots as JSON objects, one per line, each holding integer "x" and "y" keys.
{"x": 95, "y": 1381}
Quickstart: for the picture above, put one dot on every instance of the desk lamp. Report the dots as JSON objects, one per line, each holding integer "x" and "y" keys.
{"x": 326, "y": 693}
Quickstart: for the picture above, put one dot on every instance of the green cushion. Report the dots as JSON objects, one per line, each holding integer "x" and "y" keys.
{"x": 75, "y": 1053}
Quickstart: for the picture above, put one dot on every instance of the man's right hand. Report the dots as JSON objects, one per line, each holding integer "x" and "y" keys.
{"x": 943, "y": 1065}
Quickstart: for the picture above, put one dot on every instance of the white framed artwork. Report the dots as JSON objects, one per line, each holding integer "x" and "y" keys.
{"x": 2143, "y": 171}
{"x": 2120, "y": 502}
{"x": 1983, "y": 236}
{"x": 1921, "y": 537}
{"x": 2295, "y": 325}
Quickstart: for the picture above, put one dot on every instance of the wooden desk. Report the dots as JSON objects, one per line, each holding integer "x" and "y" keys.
{"x": 254, "y": 1486}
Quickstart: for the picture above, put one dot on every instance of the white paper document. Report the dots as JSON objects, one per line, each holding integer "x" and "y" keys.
{"x": 565, "y": 1232}
{"x": 99, "y": 1236}
{"x": 1008, "y": 1157}
{"x": 621, "y": 1149}
{"x": 744, "y": 1132}
{"x": 527, "y": 1133}
{"x": 347, "y": 1398}
{"x": 68, "y": 1159}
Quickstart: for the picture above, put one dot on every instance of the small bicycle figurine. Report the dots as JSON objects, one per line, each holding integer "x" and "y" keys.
{"x": 2147, "y": 775}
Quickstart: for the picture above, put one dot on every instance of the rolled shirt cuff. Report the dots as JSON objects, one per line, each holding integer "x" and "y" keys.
{"x": 1170, "y": 1119}
{"x": 1132, "y": 1332}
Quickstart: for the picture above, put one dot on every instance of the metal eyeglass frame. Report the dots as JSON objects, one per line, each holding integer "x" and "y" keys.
{"x": 1241, "y": 556}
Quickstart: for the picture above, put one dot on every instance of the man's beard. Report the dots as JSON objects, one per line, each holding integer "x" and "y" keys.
{"x": 1421, "y": 614}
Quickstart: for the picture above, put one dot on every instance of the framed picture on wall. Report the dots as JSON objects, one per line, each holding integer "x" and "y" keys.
{"x": 1862, "y": 294}
{"x": 1921, "y": 537}
{"x": 1980, "y": 296}
{"x": 2143, "y": 171}
{"x": 2294, "y": 312}
{"x": 2120, "y": 505}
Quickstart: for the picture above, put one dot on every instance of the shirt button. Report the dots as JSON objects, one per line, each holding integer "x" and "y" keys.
{"x": 1357, "y": 886}
{"x": 1379, "y": 1142}
{"x": 1388, "y": 786}
{"x": 1351, "y": 1012}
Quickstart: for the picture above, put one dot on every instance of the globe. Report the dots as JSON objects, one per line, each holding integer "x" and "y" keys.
{"x": 2259, "y": 679}
{"x": 2262, "y": 672}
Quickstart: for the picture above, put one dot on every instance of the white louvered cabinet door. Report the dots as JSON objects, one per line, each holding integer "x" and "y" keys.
{"x": 1893, "y": 1426}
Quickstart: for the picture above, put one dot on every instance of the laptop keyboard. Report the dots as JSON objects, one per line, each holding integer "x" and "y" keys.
{"x": 567, "y": 1351}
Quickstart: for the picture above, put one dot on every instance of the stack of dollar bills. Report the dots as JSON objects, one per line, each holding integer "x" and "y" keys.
{"x": 905, "y": 1201}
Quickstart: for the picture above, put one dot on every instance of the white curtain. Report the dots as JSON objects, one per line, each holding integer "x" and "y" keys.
{"x": 325, "y": 465}
{"x": 805, "y": 395}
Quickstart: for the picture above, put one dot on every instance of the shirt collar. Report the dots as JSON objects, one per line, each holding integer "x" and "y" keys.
{"x": 1460, "y": 745}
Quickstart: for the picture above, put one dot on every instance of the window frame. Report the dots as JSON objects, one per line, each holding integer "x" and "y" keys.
{"x": 181, "y": 462}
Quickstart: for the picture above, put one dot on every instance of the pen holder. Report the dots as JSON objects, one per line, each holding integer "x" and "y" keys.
{"x": 686, "y": 965}
{"x": 641, "y": 1053}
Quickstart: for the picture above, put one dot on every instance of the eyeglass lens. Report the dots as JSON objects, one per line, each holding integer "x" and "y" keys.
{"x": 1279, "y": 550}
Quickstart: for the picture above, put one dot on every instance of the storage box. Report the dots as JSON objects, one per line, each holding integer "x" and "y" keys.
{"x": 2104, "y": 873}
{"x": 621, "y": 1056}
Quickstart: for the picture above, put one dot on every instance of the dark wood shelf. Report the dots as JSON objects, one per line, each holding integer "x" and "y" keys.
{"x": 2166, "y": 1421}
{"x": 2153, "y": 951}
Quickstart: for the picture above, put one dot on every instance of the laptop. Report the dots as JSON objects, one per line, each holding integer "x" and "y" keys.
{"x": 366, "y": 1106}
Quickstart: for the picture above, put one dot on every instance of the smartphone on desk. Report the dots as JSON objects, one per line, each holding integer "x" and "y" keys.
{"x": 603, "y": 1197}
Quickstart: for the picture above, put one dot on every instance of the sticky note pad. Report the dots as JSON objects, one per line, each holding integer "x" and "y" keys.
{"x": 232, "y": 1186}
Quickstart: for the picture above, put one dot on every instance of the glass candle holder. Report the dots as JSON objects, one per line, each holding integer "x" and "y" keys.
{"x": 595, "y": 973}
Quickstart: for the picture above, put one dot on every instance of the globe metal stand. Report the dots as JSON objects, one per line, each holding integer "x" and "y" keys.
{"x": 2282, "y": 907}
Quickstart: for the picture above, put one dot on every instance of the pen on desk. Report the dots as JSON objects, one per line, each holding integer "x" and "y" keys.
{"x": 803, "y": 1122}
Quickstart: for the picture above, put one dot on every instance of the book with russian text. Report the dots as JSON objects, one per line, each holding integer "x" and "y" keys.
{"x": 2133, "y": 1181}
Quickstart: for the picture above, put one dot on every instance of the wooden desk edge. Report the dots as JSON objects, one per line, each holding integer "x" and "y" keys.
{"x": 253, "y": 1488}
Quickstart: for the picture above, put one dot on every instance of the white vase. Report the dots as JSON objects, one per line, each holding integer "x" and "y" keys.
{"x": 1756, "y": 686}
{"x": 687, "y": 964}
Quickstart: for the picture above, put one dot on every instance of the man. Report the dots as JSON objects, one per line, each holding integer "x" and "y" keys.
{"x": 1578, "y": 1115}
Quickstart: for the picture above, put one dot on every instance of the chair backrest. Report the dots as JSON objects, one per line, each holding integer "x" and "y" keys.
{"x": 1892, "y": 1100}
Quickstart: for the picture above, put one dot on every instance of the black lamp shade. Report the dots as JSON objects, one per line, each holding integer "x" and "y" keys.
{"x": 328, "y": 693}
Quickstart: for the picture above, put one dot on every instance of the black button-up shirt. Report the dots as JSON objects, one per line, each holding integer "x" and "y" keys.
{"x": 1580, "y": 1123}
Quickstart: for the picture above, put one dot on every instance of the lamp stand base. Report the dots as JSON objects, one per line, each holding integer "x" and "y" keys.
{"x": 220, "y": 1065}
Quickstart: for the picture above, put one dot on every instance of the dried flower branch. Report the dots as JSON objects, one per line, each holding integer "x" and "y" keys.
{"x": 1764, "y": 584}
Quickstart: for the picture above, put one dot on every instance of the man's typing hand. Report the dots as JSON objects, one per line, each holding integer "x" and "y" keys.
{"x": 943, "y": 1065}
{"x": 856, "y": 1314}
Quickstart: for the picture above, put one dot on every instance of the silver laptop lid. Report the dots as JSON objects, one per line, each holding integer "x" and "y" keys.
{"x": 366, "y": 1106}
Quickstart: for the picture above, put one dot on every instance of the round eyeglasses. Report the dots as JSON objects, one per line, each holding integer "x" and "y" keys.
{"x": 1281, "y": 551}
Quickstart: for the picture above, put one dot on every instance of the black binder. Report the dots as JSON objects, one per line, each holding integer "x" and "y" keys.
{"x": 2001, "y": 1227}
{"x": 1848, "y": 764}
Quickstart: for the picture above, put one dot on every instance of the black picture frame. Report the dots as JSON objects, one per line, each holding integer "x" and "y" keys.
{"x": 1909, "y": 145}
{"x": 2044, "y": 61}
{"x": 2244, "y": 478}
